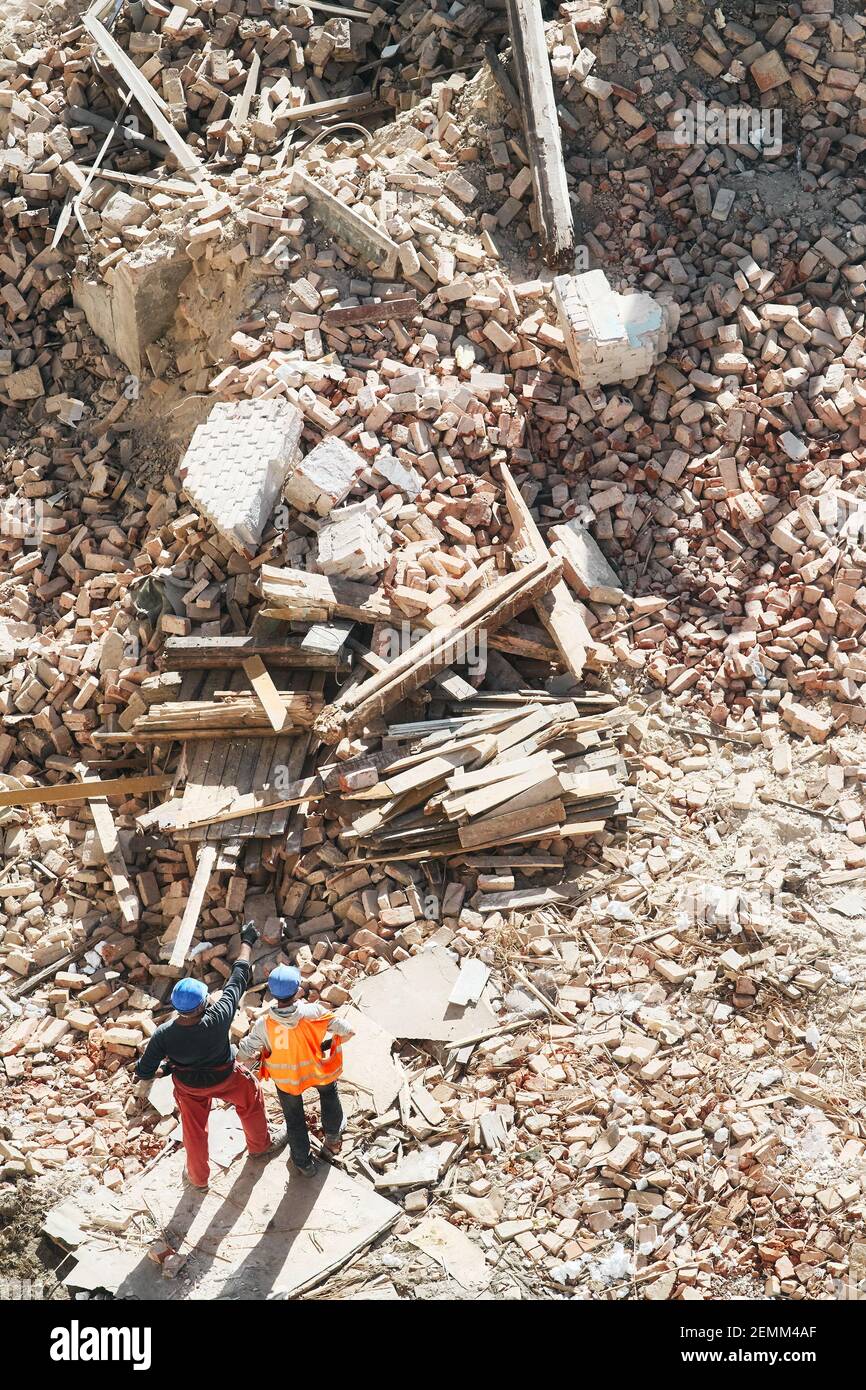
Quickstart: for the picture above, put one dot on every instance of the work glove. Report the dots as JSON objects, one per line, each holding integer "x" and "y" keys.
{"x": 249, "y": 935}
{"x": 141, "y": 1089}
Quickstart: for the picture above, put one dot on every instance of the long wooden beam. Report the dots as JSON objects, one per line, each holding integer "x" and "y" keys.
{"x": 82, "y": 791}
{"x": 106, "y": 831}
{"x": 209, "y": 653}
{"x": 262, "y": 683}
{"x": 297, "y": 595}
{"x": 541, "y": 124}
{"x": 146, "y": 98}
{"x": 191, "y": 913}
{"x": 257, "y": 803}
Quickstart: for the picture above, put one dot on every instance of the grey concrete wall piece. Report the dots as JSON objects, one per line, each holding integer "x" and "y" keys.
{"x": 236, "y": 464}
{"x": 136, "y": 305}
{"x": 347, "y": 225}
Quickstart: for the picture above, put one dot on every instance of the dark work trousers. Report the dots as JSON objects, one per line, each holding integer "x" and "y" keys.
{"x": 296, "y": 1123}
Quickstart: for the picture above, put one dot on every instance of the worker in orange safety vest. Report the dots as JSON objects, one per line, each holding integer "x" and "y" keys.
{"x": 300, "y": 1046}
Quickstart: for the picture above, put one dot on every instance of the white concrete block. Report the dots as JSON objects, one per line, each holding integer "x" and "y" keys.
{"x": 319, "y": 482}
{"x": 611, "y": 337}
{"x": 236, "y": 465}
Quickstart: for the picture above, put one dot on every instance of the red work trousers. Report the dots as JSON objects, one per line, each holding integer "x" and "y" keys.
{"x": 240, "y": 1090}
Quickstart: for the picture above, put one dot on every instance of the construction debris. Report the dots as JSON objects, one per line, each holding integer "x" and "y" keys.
{"x": 236, "y": 465}
{"x": 491, "y": 638}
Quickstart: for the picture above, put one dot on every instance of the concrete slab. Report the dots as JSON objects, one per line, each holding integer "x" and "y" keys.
{"x": 257, "y": 1233}
{"x": 411, "y": 1000}
{"x": 369, "y": 1068}
{"x": 459, "y": 1256}
{"x": 237, "y": 462}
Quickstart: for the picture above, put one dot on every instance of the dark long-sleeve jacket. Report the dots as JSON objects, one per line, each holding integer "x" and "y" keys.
{"x": 198, "y": 1054}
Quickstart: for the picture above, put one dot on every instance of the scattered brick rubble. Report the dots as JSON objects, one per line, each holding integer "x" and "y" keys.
{"x": 674, "y": 1110}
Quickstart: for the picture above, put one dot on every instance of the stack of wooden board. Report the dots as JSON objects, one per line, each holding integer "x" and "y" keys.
{"x": 523, "y": 773}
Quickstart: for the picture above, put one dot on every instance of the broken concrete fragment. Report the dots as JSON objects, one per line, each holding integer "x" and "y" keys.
{"x": 236, "y": 463}
{"x": 408, "y": 480}
{"x": 25, "y": 385}
{"x": 354, "y": 542}
{"x": 321, "y": 480}
{"x": 121, "y": 211}
{"x": 135, "y": 302}
{"x": 611, "y": 337}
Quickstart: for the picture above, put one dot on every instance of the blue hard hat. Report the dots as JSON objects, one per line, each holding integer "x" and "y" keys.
{"x": 284, "y": 981}
{"x": 188, "y": 995}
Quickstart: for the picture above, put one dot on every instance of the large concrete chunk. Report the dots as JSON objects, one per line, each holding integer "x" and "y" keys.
{"x": 322, "y": 479}
{"x": 355, "y": 542}
{"x": 584, "y": 565}
{"x": 611, "y": 337}
{"x": 135, "y": 303}
{"x": 236, "y": 465}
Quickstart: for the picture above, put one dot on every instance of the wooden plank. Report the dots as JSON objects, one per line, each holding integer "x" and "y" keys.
{"x": 584, "y": 785}
{"x": 489, "y": 785}
{"x": 463, "y": 781}
{"x": 241, "y": 108}
{"x": 292, "y": 825}
{"x": 401, "y": 307}
{"x": 257, "y": 803}
{"x": 184, "y": 653}
{"x": 499, "y": 829}
{"x": 229, "y": 712}
{"x": 189, "y": 921}
{"x": 262, "y": 730}
{"x": 82, "y": 791}
{"x": 261, "y": 682}
{"x": 106, "y": 831}
{"x": 437, "y": 650}
{"x": 208, "y": 764}
{"x": 332, "y": 106}
{"x": 297, "y": 595}
{"x": 558, "y": 610}
{"x": 79, "y": 115}
{"x": 229, "y": 779}
{"x": 501, "y": 78}
{"x": 520, "y": 793}
{"x": 431, "y": 770}
{"x": 255, "y": 773}
{"x": 572, "y": 891}
{"x": 534, "y": 81}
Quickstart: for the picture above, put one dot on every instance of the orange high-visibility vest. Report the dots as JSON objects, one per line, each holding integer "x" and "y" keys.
{"x": 295, "y": 1061}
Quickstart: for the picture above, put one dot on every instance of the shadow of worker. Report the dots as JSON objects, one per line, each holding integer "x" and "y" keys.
{"x": 289, "y": 1203}
{"x": 182, "y": 1230}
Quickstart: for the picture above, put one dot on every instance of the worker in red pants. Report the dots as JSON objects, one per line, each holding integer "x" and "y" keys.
{"x": 201, "y": 1059}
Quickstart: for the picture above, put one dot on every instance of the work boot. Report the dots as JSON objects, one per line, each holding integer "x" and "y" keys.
{"x": 278, "y": 1138}
{"x": 333, "y": 1143}
{"x": 198, "y": 1186}
{"x": 306, "y": 1172}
